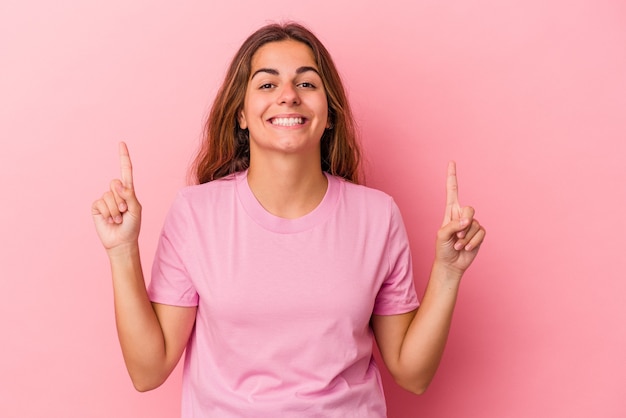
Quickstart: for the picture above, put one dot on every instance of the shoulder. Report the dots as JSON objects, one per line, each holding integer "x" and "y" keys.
{"x": 373, "y": 216}
{"x": 213, "y": 194}
{"x": 207, "y": 190}
{"x": 201, "y": 204}
{"x": 200, "y": 198}
{"x": 365, "y": 195}
{"x": 370, "y": 205}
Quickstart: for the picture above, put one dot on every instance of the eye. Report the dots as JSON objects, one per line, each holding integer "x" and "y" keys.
{"x": 266, "y": 86}
{"x": 307, "y": 85}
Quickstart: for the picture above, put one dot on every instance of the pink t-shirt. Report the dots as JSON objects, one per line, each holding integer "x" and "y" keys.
{"x": 284, "y": 305}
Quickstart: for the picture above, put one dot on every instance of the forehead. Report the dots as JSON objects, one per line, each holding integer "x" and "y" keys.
{"x": 288, "y": 54}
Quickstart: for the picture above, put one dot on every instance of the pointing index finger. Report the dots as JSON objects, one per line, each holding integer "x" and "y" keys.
{"x": 452, "y": 193}
{"x": 126, "y": 166}
{"x": 452, "y": 186}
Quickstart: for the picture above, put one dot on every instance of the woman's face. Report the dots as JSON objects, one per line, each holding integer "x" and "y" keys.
{"x": 285, "y": 107}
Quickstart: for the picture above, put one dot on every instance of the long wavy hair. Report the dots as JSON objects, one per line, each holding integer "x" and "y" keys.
{"x": 225, "y": 148}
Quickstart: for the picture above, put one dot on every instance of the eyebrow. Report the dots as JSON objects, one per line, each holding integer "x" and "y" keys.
{"x": 273, "y": 71}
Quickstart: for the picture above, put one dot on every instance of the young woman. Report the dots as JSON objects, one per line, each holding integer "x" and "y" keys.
{"x": 277, "y": 271}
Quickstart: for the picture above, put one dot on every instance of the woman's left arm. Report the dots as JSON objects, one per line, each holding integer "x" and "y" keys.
{"x": 412, "y": 344}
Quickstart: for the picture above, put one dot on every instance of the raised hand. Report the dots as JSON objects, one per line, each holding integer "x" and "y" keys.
{"x": 460, "y": 235}
{"x": 117, "y": 214}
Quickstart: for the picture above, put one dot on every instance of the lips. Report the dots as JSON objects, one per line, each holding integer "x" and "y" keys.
{"x": 287, "y": 121}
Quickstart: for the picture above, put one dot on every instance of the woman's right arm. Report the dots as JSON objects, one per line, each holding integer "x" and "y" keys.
{"x": 152, "y": 336}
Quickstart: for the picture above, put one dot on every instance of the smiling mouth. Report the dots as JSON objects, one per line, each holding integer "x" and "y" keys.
{"x": 287, "y": 121}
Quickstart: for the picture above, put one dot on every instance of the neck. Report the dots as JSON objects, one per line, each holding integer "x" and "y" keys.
{"x": 287, "y": 188}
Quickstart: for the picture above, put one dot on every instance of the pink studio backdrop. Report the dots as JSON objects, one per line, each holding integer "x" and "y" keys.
{"x": 529, "y": 97}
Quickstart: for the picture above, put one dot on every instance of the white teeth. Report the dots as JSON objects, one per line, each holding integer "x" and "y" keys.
{"x": 287, "y": 121}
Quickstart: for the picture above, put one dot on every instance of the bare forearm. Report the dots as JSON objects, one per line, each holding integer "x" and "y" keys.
{"x": 143, "y": 329}
{"x": 412, "y": 344}
{"x": 425, "y": 340}
{"x": 139, "y": 331}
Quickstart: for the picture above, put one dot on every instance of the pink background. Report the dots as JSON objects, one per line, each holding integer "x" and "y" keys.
{"x": 529, "y": 97}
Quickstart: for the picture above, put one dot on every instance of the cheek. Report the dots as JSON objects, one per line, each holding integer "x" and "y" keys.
{"x": 324, "y": 110}
{"x": 253, "y": 108}
{"x": 325, "y": 105}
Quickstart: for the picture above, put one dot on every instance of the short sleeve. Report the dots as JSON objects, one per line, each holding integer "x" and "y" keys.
{"x": 397, "y": 294}
{"x": 170, "y": 283}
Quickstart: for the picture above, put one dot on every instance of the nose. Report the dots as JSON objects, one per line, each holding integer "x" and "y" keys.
{"x": 289, "y": 95}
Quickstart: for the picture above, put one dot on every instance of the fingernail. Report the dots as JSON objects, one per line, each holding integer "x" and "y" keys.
{"x": 118, "y": 219}
{"x": 122, "y": 207}
{"x": 458, "y": 246}
{"x": 464, "y": 222}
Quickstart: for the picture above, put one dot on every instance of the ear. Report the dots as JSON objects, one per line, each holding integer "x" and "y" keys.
{"x": 329, "y": 121}
{"x": 241, "y": 118}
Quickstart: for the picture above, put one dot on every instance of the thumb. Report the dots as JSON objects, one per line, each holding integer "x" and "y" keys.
{"x": 128, "y": 197}
{"x": 449, "y": 231}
